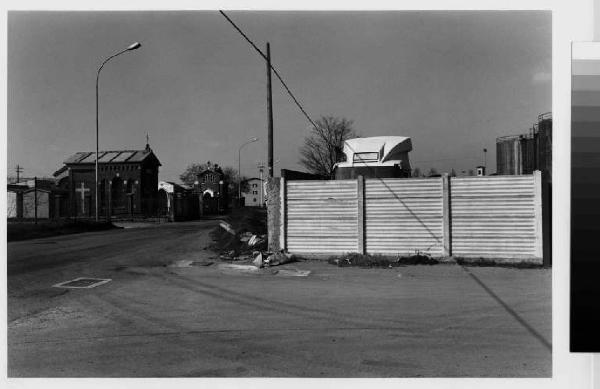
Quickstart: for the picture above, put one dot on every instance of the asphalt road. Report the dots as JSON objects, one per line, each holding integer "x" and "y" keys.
{"x": 154, "y": 320}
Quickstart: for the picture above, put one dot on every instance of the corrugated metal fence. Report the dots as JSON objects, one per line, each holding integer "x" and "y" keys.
{"x": 404, "y": 216}
{"x": 487, "y": 217}
{"x": 322, "y": 216}
{"x": 496, "y": 216}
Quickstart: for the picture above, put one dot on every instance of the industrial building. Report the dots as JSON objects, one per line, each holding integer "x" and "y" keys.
{"x": 525, "y": 153}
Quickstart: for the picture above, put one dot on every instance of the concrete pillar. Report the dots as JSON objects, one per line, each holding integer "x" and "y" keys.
{"x": 446, "y": 212}
{"x": 273, "y": 213}
{"x": 283, "y": 205}
{"x": 538, "y": 212}
{"x": 360, "y": 195}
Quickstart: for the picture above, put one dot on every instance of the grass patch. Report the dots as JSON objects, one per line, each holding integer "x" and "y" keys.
{"x": 246, "y": 219}
{"x": 28, "y": 230}
{"x": 380, "y": 261}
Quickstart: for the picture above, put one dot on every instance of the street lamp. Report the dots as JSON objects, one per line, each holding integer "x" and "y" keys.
{"x": 254, "y": 139}
{"x": 133, "y": 46}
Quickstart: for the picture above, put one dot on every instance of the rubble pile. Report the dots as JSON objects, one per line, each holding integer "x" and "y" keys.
{"x": 253, "y": 247}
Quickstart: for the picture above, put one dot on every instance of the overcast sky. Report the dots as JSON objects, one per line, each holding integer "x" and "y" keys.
{"x": 452, "y": 81}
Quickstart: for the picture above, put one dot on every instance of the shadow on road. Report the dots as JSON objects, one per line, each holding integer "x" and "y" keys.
{"x": 508, "y": 309}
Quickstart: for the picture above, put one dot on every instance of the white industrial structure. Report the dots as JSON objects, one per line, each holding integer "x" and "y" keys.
{"x": 377, "y": 156}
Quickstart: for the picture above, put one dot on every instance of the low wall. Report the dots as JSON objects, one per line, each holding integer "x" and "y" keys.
{"x": 495, "y": 218}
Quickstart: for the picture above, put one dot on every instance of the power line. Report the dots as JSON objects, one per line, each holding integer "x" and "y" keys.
{"x": 272, "y": 68}
{"x": 259, "y": 51}
{"x": 19, "y": 170}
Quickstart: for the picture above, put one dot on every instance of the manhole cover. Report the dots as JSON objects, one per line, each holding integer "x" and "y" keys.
{"x": 82, "y": 283}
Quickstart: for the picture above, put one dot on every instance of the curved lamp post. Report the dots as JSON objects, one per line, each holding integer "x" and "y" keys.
{"x": 133, "y": 46}
{"x": 251, "y": 140}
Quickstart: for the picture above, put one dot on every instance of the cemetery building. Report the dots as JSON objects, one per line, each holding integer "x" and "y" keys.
{"x": 177, "y": 202}
{"x": 211, "y": 185}
{"x": 127, "y": 183}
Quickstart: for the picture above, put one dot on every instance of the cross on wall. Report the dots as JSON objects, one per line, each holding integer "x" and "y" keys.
{"x": 82, "y": 190}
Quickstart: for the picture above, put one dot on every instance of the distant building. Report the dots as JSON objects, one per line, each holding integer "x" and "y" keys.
{"x": 128, "y": 183}
{"x": 177, "y": 202}
{"x": 377, "y": 156}
{"x": 211, "y": 185}
{"x": 525, "y": 153}
{"x": 36, "y": 197}
{"x": 254, "y": 193}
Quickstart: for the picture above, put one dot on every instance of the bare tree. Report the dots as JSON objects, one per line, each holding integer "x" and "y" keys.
{"x": 232, "y": 176}
{"x": 323, "y": 147}
{"x": 190, "y": 175}
{"x": 432, "y": 172}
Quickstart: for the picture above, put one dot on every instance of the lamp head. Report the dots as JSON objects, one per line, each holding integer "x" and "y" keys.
{"x": 134, "y": 46}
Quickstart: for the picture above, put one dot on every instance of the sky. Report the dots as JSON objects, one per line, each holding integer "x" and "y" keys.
{"x": 452, "y": 81}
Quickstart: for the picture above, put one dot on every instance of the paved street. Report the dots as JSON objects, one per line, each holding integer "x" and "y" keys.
{"x": 154, "y": 320}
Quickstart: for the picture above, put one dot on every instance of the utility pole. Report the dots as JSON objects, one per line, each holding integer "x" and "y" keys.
{"x": 261, "y": 167}
{"x": 35, "y": 199}
{"x": 19, "y": 170}
{"x": 270, "y": 110}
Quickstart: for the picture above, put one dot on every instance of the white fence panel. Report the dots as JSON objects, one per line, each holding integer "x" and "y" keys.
{"x": 322, "y": 217}
{"x": 404, "y": 216}
{"x": 471, "y": 217}
{"x": 495, "y": 217}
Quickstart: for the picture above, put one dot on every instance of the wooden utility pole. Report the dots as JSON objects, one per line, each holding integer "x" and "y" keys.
{"x": 270, "y": 110}
{"x": 35, "y": 199}
{"x": 19, "y": 170}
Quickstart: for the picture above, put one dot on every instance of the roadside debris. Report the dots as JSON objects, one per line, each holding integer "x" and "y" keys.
{"x": 240, "y": 268}
{"x": 245, "y": 237}
{"x": 189, "y": 263}
{"x": 279, "y": 259}
{"x": 181, "y": 263}
{"x": 227, "y": 227}
{"x": 232, "y": 267}
{"x": 258, "y": 260}
{"x": 368, "y": 261}
{"x": 293, "y": 273}
{"x": 272, "y": 259}
{"x": 255, "y": 240}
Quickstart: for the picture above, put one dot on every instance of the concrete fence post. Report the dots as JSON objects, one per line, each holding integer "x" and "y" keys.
{"x": 283, "y": 204}
{"x": 538, "y": 212}
{"x": 446, "y": 214}
{"x": 360, "y": 192}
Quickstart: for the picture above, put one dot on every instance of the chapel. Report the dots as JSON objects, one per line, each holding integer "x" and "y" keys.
{"x": 127, "y": 183}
